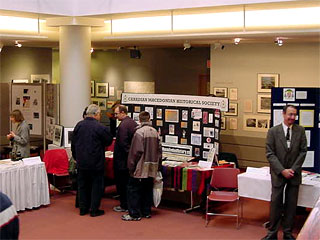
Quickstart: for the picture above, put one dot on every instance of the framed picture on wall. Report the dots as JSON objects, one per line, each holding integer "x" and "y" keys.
{"x": 220, "y": 92}
{"x": 223, "y": 123}
{"x": 264, "y": 103}
{"x": 57, "y": 136}
{"x": 67, "y": 136}
{"x": 102, "y": 90}
{"x": 39, "y": 78}
{"x": 233, "y": 110}
{"x": 20, "y": 81}
{"x": 92, "y": 88}
{"x": 233, "y": 94}
{"x": 266, "y": 81}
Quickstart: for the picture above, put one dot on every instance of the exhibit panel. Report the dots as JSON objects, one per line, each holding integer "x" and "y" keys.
{"x": 307, "y": 102}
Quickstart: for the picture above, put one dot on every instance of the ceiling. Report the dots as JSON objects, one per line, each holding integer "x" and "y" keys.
{"x": 49, "y": 36}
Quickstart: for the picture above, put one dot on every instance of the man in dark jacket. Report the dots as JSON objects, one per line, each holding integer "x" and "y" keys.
{"x": 9, "y": 222}
{"x": 124, "y": 136}
{"x": 143, "y": 162}
{"x": 286, "y": 149}
{"x": 88, "y": 148}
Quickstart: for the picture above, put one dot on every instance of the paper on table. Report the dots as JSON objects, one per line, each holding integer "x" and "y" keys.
{"x": 31, "y": 160}
{"x": 204, "y": 164}
{"x": 261, "y": 171}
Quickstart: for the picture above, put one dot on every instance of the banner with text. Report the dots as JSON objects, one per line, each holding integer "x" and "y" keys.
{"x": 175, "y": 100}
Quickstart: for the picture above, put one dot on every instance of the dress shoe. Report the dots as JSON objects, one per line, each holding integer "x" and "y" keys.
{"x": 83, "y": 212}
{"x": 97, "y": 213}
{"x": 270, "y": 237}
{"x": 288, "y": 237}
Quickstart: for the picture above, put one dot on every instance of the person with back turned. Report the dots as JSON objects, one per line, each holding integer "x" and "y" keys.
{"x": 286, "y": 149}
{"x": 88, "y": 148}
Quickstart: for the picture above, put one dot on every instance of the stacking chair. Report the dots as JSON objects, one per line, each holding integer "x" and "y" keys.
{"x": 226, "y": 179}
{"x": 57, "y": 164}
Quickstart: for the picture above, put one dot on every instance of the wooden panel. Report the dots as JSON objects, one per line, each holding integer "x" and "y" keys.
{"x": 4, "y": 109}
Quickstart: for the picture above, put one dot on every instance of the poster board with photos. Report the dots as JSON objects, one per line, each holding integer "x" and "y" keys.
{"x": 307, "y": 102}
{"x": 28, "y": 99}
{"x": 182, "y": 120}
{"x": 52, "y": 109}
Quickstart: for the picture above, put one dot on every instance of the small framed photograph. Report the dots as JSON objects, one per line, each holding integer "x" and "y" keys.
{"x": 266, "y": 81}
{"x": 233, "y": 123}
{"x": 102, "y": 90}
{"x": 223, "y": 123}
{"x": 233, "y": 110}
{"x": 101, "y": 102}
{"x": 264, "y": 103}
{"x": 40, "y": 78}
{"x": 92, "y": 88}
{"x": 172, "y": 115}
{"x": 67, "y": 136}
{"x": 57, "y": 137}
{"x": 220, "y": 92}
{"x": 233, "y": 94}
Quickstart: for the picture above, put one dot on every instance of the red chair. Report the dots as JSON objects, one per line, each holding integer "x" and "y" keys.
{"x": 226, "y": 179}
{"x": 57, "y": 165}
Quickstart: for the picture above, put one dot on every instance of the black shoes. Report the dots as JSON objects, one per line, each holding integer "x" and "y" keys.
{"x": 97, "y": 213}
{"x": 288, "y": 237}
{"x": 83, "y": 212}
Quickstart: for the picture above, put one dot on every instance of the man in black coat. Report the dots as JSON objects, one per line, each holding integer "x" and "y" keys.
{"x": 286, "y": 149}
{"x": 124, "y": 136}
{"x": 88, "y": 148}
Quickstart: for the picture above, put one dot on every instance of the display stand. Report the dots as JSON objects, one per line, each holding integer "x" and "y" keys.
{"x": 307, "y": 102}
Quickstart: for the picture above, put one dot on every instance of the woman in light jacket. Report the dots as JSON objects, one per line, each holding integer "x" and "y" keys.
{"x": 20, "y": 138}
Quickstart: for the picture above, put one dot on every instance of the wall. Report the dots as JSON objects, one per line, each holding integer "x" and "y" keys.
{"x": 20, "y": 63}
{"x": 173, "y": 70}
{"x": 238, "y": 66}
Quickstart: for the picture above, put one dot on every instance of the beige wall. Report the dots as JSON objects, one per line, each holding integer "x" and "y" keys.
{"x": 238, "y": 66}
{"x": 173, "y": 70}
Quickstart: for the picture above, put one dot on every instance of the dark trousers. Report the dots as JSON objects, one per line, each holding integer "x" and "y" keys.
{"x": 90, "y": 189}
{"x": 283, "y": 211}
{"x": 121, "y": 178}
{"x": 140, "y": 196}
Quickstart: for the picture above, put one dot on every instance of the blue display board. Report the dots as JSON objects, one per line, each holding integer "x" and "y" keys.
{"x": 307, "y": 102}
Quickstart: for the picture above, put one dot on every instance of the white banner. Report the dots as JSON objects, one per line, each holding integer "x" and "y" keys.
{"x": 175, "y": 100}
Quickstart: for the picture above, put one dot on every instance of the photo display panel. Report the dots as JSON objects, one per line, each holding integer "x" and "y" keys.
{"x": 198, "y": 127}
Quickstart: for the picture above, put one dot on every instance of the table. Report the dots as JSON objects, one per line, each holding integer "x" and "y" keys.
{"x": 258, "y": 186}
{"x": 25, "y": 185}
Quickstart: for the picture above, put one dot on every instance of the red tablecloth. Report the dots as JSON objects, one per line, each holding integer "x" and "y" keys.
{"x": 187, "y": 179}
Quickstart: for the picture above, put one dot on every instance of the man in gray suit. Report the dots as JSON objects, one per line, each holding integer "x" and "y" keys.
{"x": 286, "y": 149}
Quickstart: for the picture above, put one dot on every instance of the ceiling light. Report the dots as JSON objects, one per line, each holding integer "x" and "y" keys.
{"x": 236, "y": 41}
{"x": 91, "y": 50}
{"x": 1, "y": 46}
{"x": 18, "y": 24}
{"x": 17, "y": 44}
{"x": 279, "y": 42}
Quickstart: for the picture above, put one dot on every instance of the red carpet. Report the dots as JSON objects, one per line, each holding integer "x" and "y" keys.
{"x": 61, "y": 220}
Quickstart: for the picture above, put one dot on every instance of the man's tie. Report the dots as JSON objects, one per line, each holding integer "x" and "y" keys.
{"x": 288, "y": 134}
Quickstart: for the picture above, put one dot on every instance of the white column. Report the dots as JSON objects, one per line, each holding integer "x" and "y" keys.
{"x": 75, "y": 59}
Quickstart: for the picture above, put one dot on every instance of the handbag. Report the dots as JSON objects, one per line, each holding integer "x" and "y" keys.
{"x": 157, "y": 189}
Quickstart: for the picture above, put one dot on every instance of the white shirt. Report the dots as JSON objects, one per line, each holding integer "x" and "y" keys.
{"x": 285, "y": 127}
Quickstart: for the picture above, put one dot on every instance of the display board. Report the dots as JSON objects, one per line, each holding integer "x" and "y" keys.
{"x": 188, "y": 125}
{"x": 307, "y": 102}
{"x": 28, "y": 99}
{"x": 52, "y": 109}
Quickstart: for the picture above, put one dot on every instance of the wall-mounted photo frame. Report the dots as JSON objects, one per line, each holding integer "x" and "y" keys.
{"x": 67, "y": 136}
{"x": 39, "y": 78}
{"x": 266, "y": 81}
{"x": 264, "y": 103}
{"x": 101, "y": 102}
{"x": 233, "y": 110}
{"x": 220, "y": 92}
{"x": 259, "y": 123}
{"x": 57, "y": 136}
{"x": 233, "y": 94}
{"x": 102, "y": 90}
{"x": 223, "y": 125}
{"x": 92, "y": 88}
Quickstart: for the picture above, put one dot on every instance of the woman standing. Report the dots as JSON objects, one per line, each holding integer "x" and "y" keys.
{"x": 21, "y": 137}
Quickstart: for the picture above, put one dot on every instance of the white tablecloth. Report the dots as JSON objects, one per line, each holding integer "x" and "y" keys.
{"x": 259, "y": 187}
{"x": 25, "y": 185}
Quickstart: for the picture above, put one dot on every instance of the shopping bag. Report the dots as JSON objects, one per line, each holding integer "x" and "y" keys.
{"x": 157, "y": 189}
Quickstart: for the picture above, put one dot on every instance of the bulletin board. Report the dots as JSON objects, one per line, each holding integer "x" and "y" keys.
{"x": 188, "y": 125}
{"x": 307, "y": 102}
{"x": 28, "y": 99}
